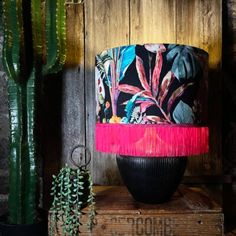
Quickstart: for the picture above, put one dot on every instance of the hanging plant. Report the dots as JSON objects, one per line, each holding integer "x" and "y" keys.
{"x": 72, "y": 190}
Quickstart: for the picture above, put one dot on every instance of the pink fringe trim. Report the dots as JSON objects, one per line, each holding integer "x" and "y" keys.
{"x": 152, "y": 140}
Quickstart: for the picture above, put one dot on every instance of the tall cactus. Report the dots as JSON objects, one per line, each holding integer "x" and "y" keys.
{"x": 23, "y": 77}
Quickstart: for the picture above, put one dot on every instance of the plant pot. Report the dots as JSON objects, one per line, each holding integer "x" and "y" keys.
{"x": 151, "y": 180}
{"x": 39, "y": 228}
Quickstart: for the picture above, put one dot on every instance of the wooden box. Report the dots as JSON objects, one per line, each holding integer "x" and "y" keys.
{"x": 190, "y": 212}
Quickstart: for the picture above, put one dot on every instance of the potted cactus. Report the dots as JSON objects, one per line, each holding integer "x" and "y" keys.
{"x": 34, "y": 45}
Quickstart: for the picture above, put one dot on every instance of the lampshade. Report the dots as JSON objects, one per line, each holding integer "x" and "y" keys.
{"x": 147, "y": 100}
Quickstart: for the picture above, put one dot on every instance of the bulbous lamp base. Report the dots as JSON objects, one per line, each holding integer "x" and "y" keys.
{"x": 151, "y": 180}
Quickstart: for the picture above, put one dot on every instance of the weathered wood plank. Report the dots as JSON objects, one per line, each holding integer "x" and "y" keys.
{"x": 75, "y": 35}
{"x": 183, "y": 224}
{"x": 73, "y": 103}
{"x": 204, "y": 30}
{"x": 152, "y": 21}
{"x": 229, "y": 14}
{"x": 65, "y": 100}
{"x": 204, "y": 27}
{"x": 106, "y": 26}
{"x": 229, "y": 86}
{"x": 111, "y": 199}
{"x": 190, "y": 212}
{"x": 161, "y": 225}
{"x": 111, "y": 23}
{"x": 197, "y": 23}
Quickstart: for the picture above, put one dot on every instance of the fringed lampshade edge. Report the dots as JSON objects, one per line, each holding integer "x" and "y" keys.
{"x": 158, "y": 140}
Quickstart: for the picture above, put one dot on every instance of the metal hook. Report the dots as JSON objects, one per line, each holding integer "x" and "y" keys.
{"x": 79, "y": 161}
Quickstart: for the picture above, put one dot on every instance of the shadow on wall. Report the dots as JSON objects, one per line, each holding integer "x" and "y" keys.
{"x": 229, "y": 88}
{"x": 50, "y": 132}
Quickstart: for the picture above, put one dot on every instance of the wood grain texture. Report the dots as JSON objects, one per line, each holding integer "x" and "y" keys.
{"x": 75, "y": 35}
{"x": 73, "y": 103}
{"x": 152, "y": 21}
{"x": 61, "y": 132}
{"x": 204, "y": 30}
{"x": 190, "y": 212}
{"x": 183, "y": 224}
{"x": 229, "y": 49}
{"x": 196, "y": 23}
{"x": 164, "y": 225}
{"x": 64, "y": 117}
{"x": 111, "y": 199}
{"x": 106, "y": 26}
{"x": 98, "y": 25}
{"x": 229, "y": 87}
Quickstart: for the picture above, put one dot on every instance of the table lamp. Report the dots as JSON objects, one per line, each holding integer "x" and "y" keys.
{"x": 148, "y": 112}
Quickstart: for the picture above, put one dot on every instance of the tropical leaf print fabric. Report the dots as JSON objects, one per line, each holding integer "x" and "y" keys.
{"x": 147, "y": 100}
{"x": 149, "y": 84}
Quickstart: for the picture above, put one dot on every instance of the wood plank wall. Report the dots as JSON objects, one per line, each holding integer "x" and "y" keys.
{"x": 229, "y": 88}
{"x": 99, "y": 24}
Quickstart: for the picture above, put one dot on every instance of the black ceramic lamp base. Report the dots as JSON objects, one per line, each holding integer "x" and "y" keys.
{"x": 151, "y": 180}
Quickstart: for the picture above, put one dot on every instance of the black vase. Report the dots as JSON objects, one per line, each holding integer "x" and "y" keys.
{"x": 151, "y": 180}
{"x": 39, "y": 228}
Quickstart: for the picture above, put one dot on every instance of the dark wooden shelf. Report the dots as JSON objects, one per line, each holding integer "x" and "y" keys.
{"x": 191, "y": 211}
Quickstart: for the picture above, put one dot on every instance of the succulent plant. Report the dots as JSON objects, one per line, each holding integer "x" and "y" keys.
{"x": 71, "y": 191}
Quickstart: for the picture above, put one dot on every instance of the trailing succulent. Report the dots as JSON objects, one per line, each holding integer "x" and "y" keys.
{"x": 71, "y": 191}
{"x": 34, "y": 45}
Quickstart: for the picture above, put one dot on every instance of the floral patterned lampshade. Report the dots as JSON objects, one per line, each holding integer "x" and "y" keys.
{"x": 147, "y": 100}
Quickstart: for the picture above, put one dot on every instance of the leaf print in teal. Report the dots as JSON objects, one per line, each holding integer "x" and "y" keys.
{"x": 183, "y": 114}
{"x": 185, "y": 64}
{"x": 149, "y": 84}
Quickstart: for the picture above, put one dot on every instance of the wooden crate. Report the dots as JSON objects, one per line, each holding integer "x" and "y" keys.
{"x": 190, "y": 212}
